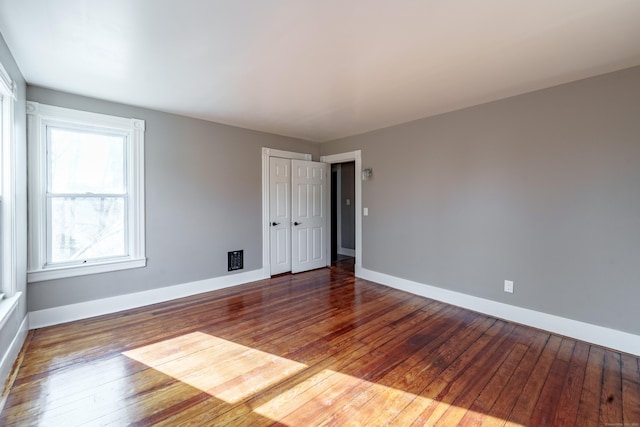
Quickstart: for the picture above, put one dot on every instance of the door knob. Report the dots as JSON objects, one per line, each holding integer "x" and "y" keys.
{"x": 275, "y": 223}
{"x": 297, "y": 223}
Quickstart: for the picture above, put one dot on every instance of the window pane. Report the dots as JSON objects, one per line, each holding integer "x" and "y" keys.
{"x": 82, "y": 162}
{"x": 86, "y": 227}
{"x": 2, "y": 222}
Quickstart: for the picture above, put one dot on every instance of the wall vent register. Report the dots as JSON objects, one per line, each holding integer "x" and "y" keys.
{"x": 235, "y": 260}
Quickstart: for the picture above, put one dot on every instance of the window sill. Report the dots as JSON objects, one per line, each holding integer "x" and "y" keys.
{"x": 83, "y": 270}
{"x": 7, "y": 306}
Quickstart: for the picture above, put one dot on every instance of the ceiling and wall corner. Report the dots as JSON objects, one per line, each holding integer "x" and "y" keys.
{"x": 316, "y": 70}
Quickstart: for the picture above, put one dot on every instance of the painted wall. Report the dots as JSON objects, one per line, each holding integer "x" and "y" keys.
{"x": 348, "y": 219}
{"x": 11, "y": 327}
{"x": 203, "y": 199}
{"x": 541, "y": 188}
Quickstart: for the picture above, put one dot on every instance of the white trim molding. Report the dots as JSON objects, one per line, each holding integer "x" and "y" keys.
{"x": 346, "y": 251}
{"x": 599, "y": 335}
{"x": 7, "y": 307}
{"x": 84, "y": 310}
{"x": 11, "y": 354}
{"x": 352, "y": 156}
{"x": 40, "y": 118}
{"x": 7, "y": 85}
{"x": 102, "y": 267}
{"x": 9, "y": 221}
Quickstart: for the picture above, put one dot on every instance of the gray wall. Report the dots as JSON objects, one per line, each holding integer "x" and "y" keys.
{"x": 203, "y": 199}
{"x": 542, "y": 189}
{"x": 9, "y": 330}
{"x": 348, "y": 212}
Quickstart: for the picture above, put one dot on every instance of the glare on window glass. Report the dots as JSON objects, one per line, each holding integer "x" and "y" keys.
{"x": 87, "y": 228}
{"x": 86, "y": 200}
{"x": 82, "y": 162}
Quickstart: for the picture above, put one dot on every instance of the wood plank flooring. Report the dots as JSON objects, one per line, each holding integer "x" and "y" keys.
{"x": 317, "y": 348}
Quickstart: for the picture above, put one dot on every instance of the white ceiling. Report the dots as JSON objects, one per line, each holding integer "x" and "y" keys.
{"x": 316, "y": 70}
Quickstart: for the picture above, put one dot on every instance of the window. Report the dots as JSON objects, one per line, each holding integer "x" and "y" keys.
{"x": 7, "y": 187}
{"x": 2, "y": 227}
{"x": 86, "y": 192}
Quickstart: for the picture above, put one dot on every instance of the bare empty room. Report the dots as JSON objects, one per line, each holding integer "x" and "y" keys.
{"x": 297, "y": 213}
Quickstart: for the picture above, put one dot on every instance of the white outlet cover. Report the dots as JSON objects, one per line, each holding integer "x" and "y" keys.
{"x": 508, "y": 286}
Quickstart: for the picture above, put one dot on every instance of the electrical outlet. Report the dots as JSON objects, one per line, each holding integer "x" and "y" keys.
{"x": 508, "y": 286}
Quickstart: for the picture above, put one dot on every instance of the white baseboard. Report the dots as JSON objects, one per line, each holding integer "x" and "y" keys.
{"x": 83, "y": 310}
{"x": 611, "y": 338}
{"x": 11, "y": 354}
{"x": 606, "y": 337}
{"x": 346, "y": 251}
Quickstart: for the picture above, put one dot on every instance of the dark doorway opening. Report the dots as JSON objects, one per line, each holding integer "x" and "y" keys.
{"x": 334, "y": 215}
{"x": 343, "y": 213}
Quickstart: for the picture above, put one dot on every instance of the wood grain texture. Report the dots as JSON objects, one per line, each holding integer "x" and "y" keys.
{"x": 317, "y": 348}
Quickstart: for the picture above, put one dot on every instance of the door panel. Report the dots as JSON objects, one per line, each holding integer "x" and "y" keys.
{"x": 317, "y": 246}
{"x": 308, "y": 215}
{"x": 302, "y": 252}
{"x": 282, "y": 247}
{"x": 302, "y": 195}
{"x": 280, "y": 214}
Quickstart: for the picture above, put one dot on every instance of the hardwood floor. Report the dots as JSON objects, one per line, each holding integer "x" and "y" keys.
{"x": 318, "y": 348}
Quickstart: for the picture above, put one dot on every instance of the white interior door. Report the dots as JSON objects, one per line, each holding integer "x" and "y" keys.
{"x": 280, "y": 214}
{"x": 308, "y": 216}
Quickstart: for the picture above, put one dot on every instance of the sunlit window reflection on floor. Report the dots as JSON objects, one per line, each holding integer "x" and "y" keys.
{"x": 66, "y": 392}
{"x": 233, "y": 372}
{"x": 226, "y": 370}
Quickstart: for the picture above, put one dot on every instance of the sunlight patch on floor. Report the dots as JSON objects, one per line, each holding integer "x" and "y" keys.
{"x": 66, "y": 391}
{"x": 226, "y": 370}
{"x": 233, "y": 372}
{"x": 340, "y": 393}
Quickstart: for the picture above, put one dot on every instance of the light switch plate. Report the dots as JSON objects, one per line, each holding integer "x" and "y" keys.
{"x": 508, "y": 286}
{"x": 365, "y": 211}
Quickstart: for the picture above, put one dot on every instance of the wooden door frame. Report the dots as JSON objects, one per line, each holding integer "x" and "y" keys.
{"x": 266, "y": 247}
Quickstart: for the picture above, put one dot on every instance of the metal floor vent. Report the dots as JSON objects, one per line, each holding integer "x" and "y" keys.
{"x": 235, "y": 260}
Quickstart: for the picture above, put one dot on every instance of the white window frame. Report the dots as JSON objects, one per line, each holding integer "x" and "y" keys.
{"x": 8, "y": 244}
{"x": 40, "y": 117}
